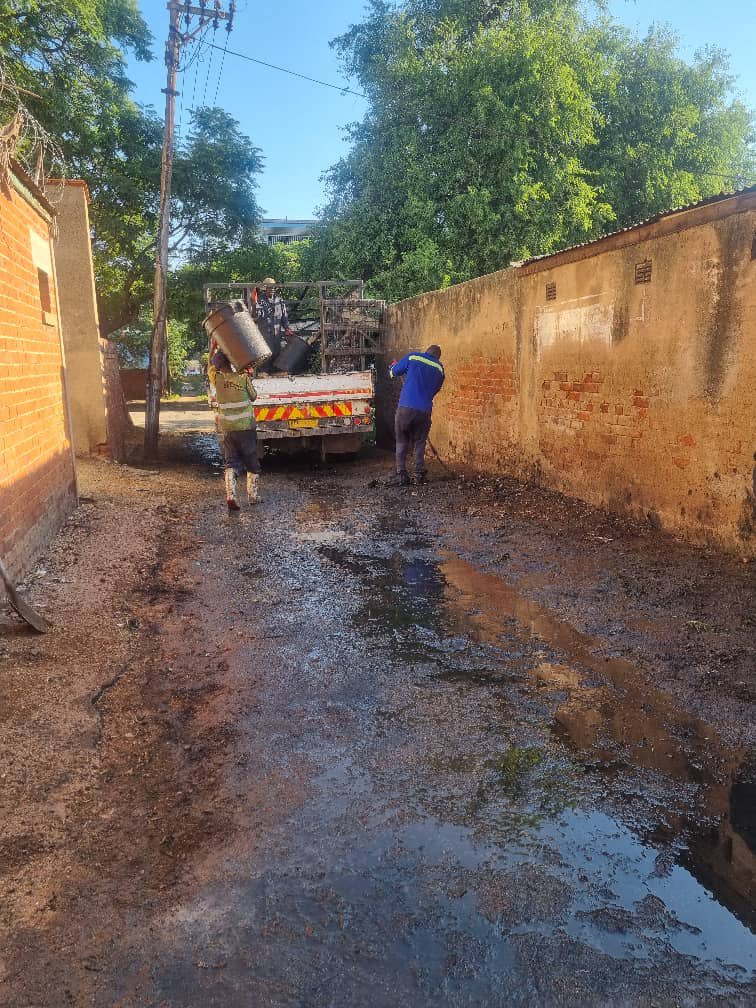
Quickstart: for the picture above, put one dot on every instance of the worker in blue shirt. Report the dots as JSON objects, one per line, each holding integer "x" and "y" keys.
{"x": 424, "y": 377}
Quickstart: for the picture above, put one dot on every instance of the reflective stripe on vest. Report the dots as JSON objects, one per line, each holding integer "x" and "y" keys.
{"x": 234, "y": 413}
{"x": 235, "y": 410}
{"x": 425, "y": 360}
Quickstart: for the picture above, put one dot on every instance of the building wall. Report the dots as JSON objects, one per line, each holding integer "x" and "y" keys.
{"x": 134, "y": 383}
{"x": 640, "y": 397}
{"x": 79, "y": 320}
{"x": 37, "y": 479}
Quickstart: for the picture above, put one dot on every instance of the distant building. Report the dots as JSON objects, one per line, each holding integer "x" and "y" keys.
{"x": 282, "y": 231}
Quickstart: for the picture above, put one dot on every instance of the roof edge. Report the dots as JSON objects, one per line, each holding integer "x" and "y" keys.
{"x": 664, "y": 223}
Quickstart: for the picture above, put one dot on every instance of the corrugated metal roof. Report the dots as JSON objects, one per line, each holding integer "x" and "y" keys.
{"x": 632, "y": 227}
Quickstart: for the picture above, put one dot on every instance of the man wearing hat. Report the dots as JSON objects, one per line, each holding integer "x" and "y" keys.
{"x": 235, "y": 420}
{"x": 272, "y": 316}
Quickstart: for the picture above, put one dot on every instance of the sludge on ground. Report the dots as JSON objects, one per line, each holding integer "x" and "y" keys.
{"x": 470, "y": 744}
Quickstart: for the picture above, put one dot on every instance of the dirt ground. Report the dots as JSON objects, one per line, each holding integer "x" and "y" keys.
{"x": 465, "y": 744}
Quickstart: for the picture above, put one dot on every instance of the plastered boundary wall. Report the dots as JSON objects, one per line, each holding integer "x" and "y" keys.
{"x": 79, "y": 320}
{"x": 635, "y": 396}
{"x": 37, "y": 477}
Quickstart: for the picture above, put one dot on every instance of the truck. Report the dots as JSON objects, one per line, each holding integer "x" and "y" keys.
{"x": 327, "y": 405}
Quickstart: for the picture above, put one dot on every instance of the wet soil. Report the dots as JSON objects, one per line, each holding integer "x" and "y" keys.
{"x": 464, "y": 744}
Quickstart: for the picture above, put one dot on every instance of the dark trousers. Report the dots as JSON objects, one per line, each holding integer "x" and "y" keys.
{"x": 240, "y": 451}
{"x": 411, "y": 427}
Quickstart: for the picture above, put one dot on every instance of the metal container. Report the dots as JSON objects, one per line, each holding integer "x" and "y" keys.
{"x": 294, "y": 355}
{"x": 271, "y": 337}
{"x": 236, "y": 333}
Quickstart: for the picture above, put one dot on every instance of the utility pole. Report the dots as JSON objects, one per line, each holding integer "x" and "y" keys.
{"x": 205, "y": 13}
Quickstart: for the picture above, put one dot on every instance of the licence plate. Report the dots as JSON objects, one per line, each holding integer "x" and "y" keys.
{"x": 303, "y": 423}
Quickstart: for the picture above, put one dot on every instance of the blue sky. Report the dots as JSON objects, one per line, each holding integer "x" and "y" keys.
{"x": 300, "y": 126}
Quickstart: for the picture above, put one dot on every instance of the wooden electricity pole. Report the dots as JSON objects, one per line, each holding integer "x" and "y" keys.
{"x": 205, "y": 14}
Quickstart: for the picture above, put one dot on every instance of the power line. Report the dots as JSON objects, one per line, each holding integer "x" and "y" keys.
{"x": 210, "y": 45}
{"x": 292, "y": 73}
{"x": 197, "y": 61}
{"x": 701, "y": 173}
{"x": 220, "y": 72}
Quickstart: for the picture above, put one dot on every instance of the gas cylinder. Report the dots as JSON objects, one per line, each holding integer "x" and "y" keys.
{"x": 236, "y": 333}
{"x": 294, "y": 355}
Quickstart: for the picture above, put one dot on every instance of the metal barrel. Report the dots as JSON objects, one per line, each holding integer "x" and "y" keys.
{"x": 294, "y": 355}
{"x": 271, "y": 337}
{"x": 236, "y": 333}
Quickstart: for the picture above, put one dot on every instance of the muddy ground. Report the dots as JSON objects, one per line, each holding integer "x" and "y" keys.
{"x": 469, "y": 744}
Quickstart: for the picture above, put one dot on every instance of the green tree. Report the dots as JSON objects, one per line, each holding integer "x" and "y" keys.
{"x": 213, "y": 207}
{"x": 501, "y": 131}
{"x": 71, "y": 54}
{"x": 68, "y": 55}
{"x": 669, "y": 132}
{"x": 251, "y": 261}
{"x": 134, "y": 340}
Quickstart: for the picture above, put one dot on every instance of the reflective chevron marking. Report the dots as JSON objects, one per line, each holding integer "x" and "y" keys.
{"x": 307, "y": 411}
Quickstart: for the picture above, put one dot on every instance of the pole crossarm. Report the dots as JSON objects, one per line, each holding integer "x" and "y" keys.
{"x": 205, "y": 13}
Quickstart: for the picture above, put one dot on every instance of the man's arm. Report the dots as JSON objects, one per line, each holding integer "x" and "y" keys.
{"x": 285, "y": 318}
{"x": 399, "y": 368}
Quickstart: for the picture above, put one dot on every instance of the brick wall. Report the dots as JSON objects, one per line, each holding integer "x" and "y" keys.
{"x": 37, "y": 479}
{"x": 118, "y": 419}
{"x": 622, "y": 372}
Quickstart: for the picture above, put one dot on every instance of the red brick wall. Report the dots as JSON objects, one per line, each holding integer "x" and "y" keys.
{"x": 483, "y": 387}
{"x": 118, "y": 420}
{"x": 37, "y": 478}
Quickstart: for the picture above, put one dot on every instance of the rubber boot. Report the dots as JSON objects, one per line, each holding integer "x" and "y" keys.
{"x": 253, "y": 488}
{"x": 233, "y": 503}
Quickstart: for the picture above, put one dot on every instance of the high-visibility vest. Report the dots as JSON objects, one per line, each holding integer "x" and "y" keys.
{"x": 235, "y": 394}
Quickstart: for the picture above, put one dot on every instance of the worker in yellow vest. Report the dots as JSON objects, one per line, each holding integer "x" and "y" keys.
{"x": 235, "y": 420}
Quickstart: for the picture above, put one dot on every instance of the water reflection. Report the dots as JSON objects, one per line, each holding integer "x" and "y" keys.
{"x": 479, "y": 630}
{"x": 629, "y": 723}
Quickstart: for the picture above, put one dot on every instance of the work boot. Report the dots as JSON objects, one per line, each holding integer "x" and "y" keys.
{"x": 420, "y": 478}
{"x": 253, "y": 488}
{"x": 402, "y": 479}
{"x": 231, "y": 500}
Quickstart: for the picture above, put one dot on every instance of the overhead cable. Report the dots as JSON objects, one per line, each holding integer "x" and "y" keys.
{"x": 292, "y": 73}
{"x": 210, "y": 45}
{"x": 220, "y": 72}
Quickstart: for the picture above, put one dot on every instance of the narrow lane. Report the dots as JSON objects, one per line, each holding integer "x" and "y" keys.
{"x": 450, "y": 793}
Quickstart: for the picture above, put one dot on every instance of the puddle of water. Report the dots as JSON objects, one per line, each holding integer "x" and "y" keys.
{"x": 206, "y": 449}
{"x": 645, "y": 723}
{"x": 694, "y": 923}
{"x": 322, "y": 521}
{"x": 476, "y": 627}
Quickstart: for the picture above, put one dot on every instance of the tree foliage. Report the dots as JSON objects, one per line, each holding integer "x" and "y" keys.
{"x": 71, "y": 53}
{"x": 250, "y": 261}
{"x": 213, "y": 207}
{"x": 498, "y": 131}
